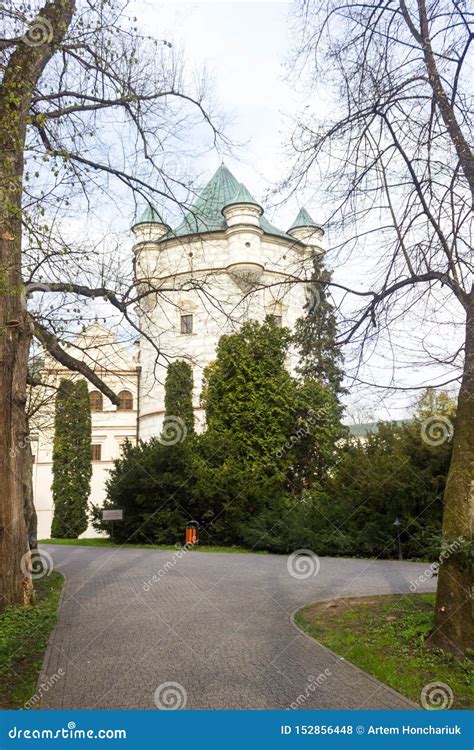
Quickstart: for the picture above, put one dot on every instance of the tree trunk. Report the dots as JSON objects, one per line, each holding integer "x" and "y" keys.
{"x": 31, "y": 519}
{"x": 453, "y": 630}
{"x": 22, "y": 72}
{"x": 14, "y": 344}
{"x": 13, "y": 536}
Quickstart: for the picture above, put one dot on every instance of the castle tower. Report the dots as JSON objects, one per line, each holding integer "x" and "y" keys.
{"x": 149, "y": 227}
{"x": 222, "y": 265}
{"x": 307, "y": 231}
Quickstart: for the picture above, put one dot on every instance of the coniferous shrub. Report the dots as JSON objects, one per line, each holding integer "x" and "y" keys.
{"x": 179, "y": 392}
{"x": 72, "y": 463}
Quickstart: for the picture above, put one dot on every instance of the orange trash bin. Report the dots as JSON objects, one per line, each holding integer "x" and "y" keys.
{"x": 192, "y": 533}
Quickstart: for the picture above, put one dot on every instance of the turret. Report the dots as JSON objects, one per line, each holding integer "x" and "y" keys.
{"x": 306, "y": 230}
{"x": 242, "y": 217}
{"x": 242, "y": 209}
{"x": 149, "y": 227}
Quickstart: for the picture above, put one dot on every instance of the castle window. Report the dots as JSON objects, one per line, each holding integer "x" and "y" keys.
{"x": 96, "y": 452}
{"x": 275, "y": 312}
{"x": 186, "y": 323}
{"x": 126, "y": 401}
{"x": 96, "y": 401}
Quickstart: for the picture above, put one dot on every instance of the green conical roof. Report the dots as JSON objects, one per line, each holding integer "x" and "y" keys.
{"x": 303, "y": 220}
{"x": 150, "y": 216}
{"x": 206, "y": 213}
{"x": 242, "y": 196}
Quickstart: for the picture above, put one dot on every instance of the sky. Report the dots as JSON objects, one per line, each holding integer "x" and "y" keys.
{"x": 244, "y": 46}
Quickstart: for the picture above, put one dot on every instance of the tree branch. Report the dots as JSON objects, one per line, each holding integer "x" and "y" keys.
{"x": 51, "y": 344}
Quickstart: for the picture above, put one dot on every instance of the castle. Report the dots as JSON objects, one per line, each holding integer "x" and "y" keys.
{"x": 223, "y": 264}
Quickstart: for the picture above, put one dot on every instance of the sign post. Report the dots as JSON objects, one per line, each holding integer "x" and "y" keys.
{"x": 115, "y": 514}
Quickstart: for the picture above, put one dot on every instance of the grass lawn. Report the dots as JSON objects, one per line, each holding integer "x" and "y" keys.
{"x": 98, "y": 542}
{"x": 24, "y": 634}
{"x": 384, "y": 636}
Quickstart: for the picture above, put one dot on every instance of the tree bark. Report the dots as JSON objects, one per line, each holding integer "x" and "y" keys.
{"x": 23, "y": 70}
{"x": 31, "y": 519}
{"x": 453, "y": 628}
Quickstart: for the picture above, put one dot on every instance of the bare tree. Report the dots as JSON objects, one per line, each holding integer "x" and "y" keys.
{"x": 399, "y": 173}
{"x": 90, "y": 109}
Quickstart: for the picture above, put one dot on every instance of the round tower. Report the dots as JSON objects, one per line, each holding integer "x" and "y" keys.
{"x": 149, "y": 227}
{"x": 307, "y": 231}
{"x": 224, "y": 263}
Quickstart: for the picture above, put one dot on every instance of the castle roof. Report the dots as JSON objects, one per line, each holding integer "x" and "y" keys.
{"x": 150, "y": 216}
{"x": 303, "y": 220}
{"x": 222, "y": 190}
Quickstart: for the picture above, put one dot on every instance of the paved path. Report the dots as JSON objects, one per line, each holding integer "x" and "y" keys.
{"x": 219, "y": 625}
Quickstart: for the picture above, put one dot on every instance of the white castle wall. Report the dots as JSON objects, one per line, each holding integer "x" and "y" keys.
{"x": 205, "y": 275}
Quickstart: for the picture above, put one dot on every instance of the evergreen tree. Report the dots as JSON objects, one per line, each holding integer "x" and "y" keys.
{"x": 321, "y": 374}
{"x": 318, "y": 429}
{"x": 250, "y": 402}
{"x": 179, "y": 392}
{"x": 72, "y": 464}
{"x": 315, "y": 333}
{"x": 397, "y": 471}
{"x": 249, "y": 393}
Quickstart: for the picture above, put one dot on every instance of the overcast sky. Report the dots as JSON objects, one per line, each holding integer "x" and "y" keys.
{"x": 244, "y": 46}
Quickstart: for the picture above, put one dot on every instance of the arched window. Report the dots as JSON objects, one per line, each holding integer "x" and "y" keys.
{"x": 126, "y": 401}
{"x": 96, "y": 401}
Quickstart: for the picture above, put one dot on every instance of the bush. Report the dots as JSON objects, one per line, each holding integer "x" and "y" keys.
{"x": 393, "y": 474}
{"x": 153, "y": 484}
